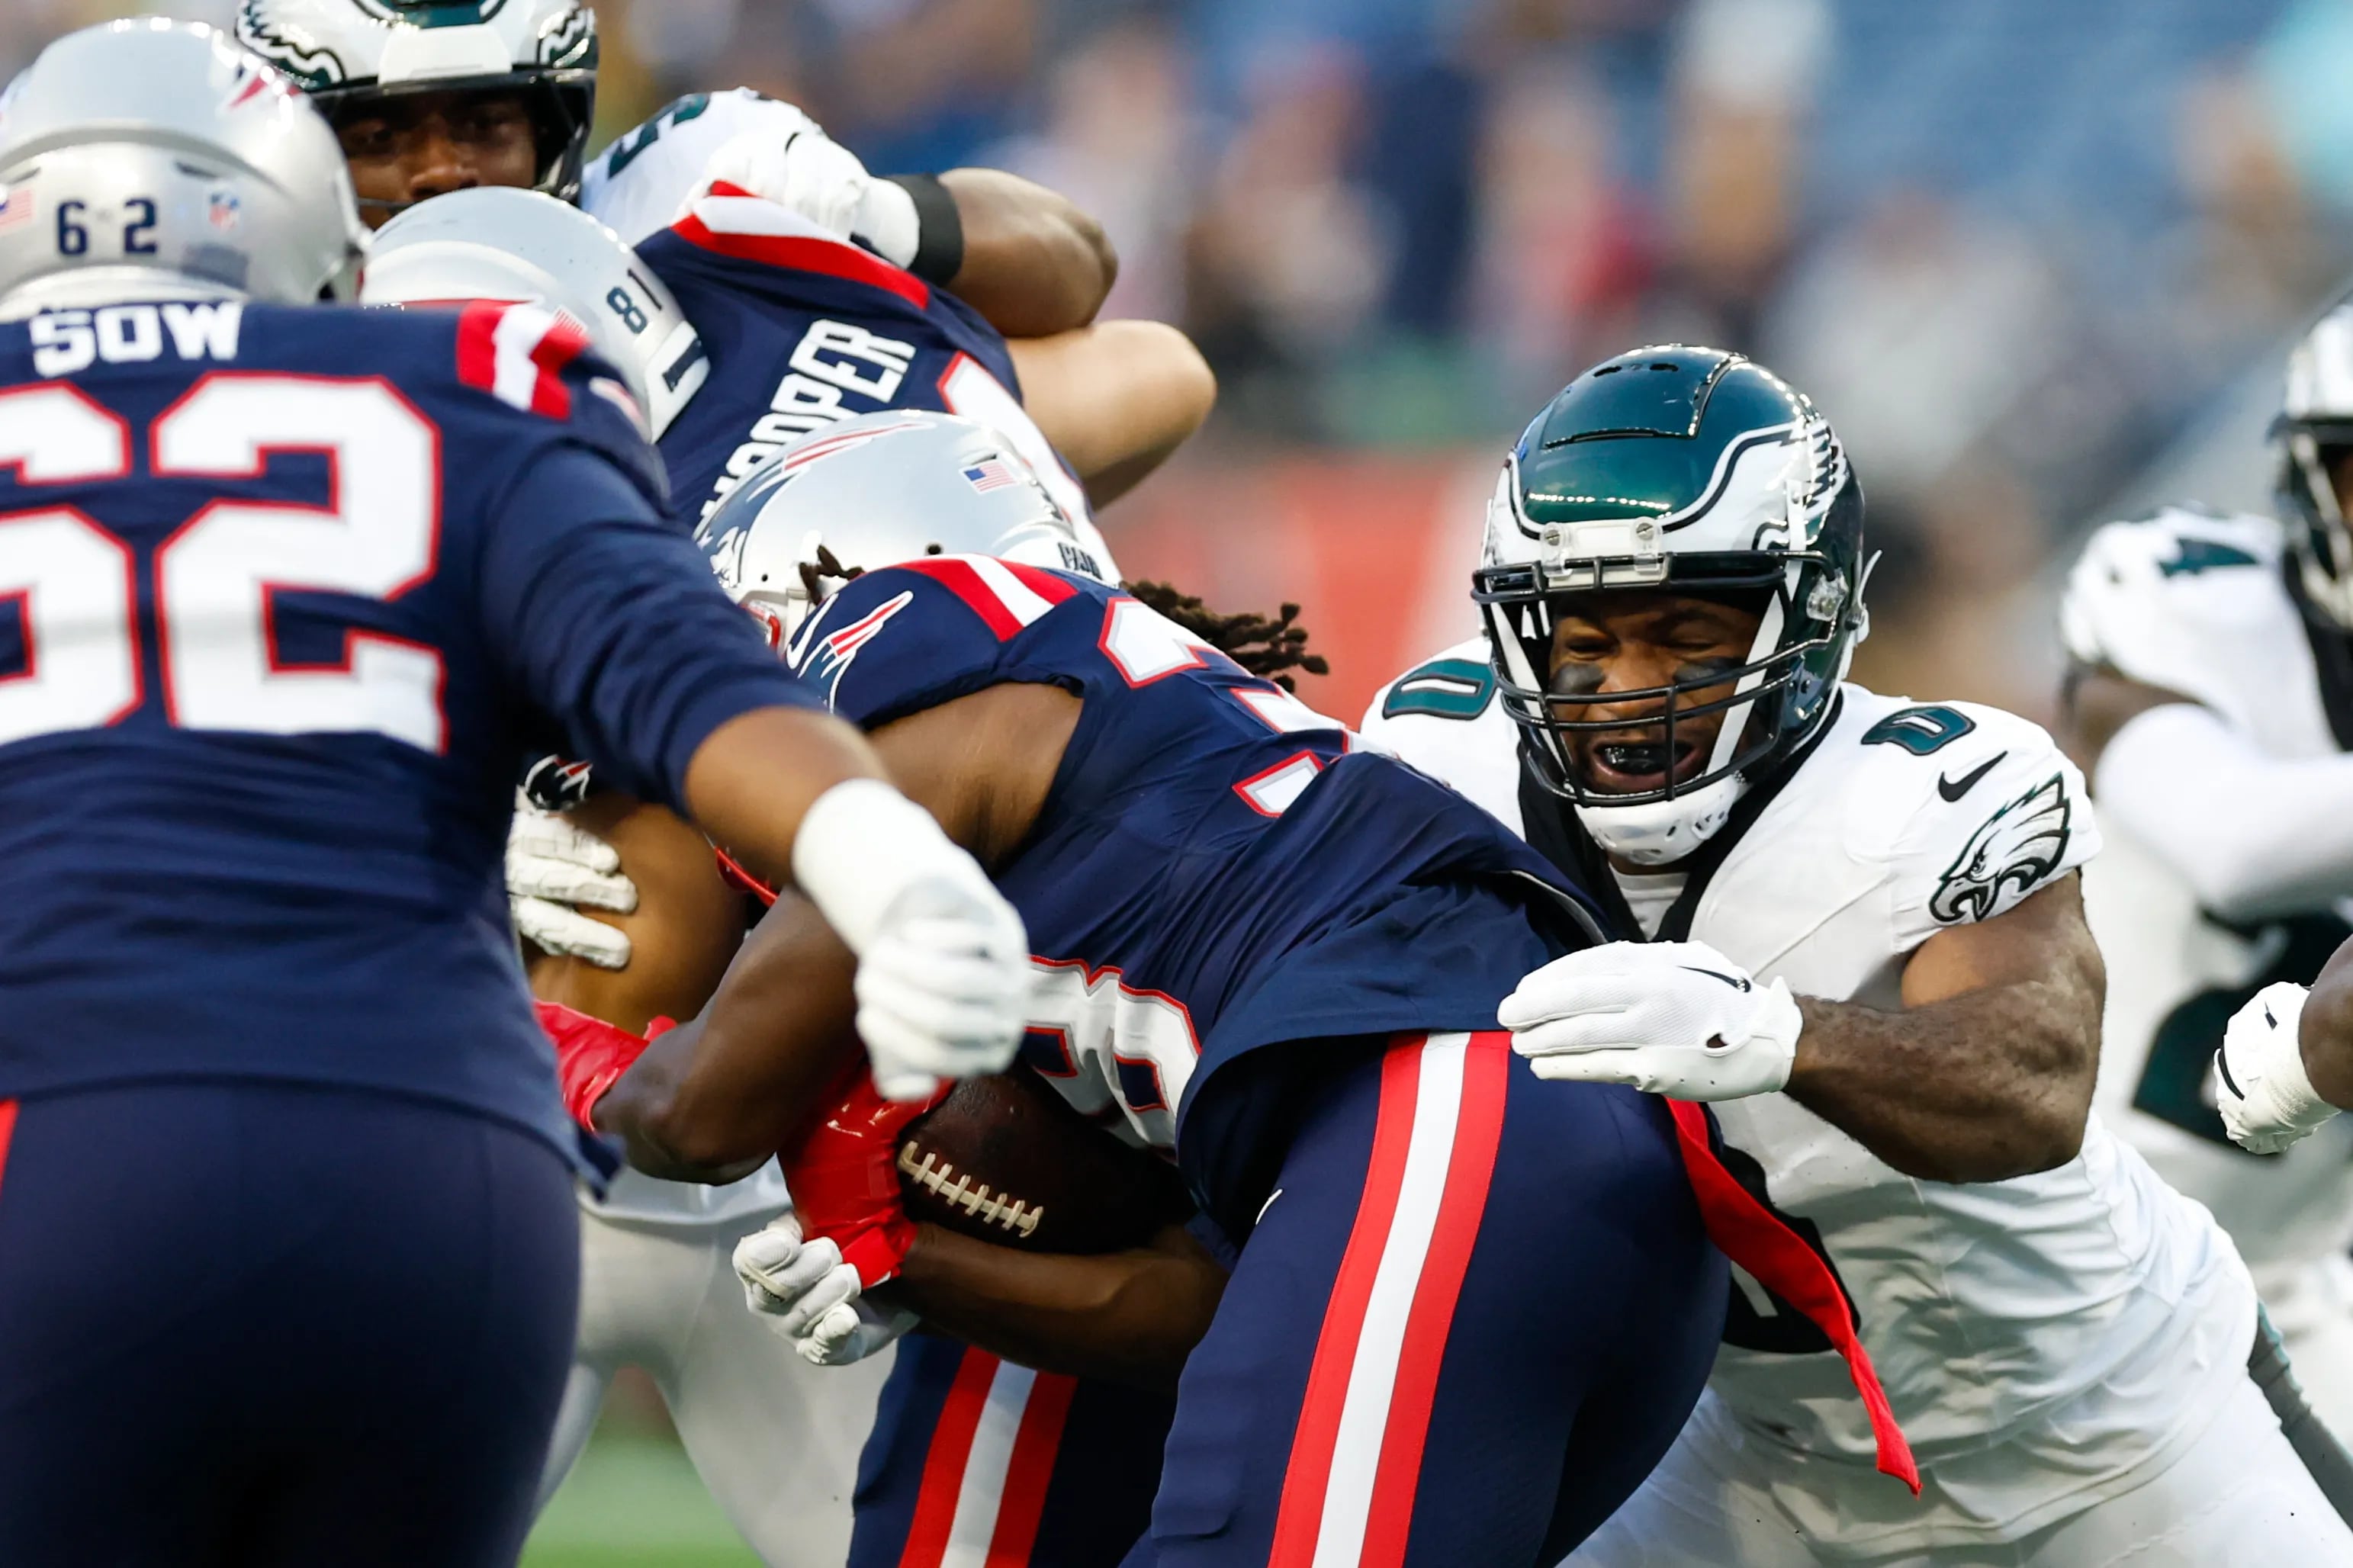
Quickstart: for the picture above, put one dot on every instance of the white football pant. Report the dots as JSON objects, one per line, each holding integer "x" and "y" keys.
{"x": 2311, "y": 1305}
{"x": 2236, "y": 1496}
{"x": 776, "y": 1439}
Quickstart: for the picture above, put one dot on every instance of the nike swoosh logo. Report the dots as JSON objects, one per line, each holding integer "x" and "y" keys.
{"x": 1953, "y": 789}
{"x": 1732, "y": 980}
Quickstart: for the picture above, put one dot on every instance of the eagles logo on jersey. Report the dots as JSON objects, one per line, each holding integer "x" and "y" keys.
{"x": 2019, "y": 845}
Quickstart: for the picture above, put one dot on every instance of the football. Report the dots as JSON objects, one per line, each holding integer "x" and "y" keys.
{"x": 1005, "y": 1159}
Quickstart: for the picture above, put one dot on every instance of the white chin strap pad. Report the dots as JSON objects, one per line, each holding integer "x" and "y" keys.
{"x": 1660, "y": 832}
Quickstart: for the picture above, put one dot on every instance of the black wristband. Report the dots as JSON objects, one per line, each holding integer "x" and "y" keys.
{"x": 939, "y": 228}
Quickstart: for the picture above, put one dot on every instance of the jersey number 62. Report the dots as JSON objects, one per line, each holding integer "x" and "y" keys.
{"x": 76, "y": 583}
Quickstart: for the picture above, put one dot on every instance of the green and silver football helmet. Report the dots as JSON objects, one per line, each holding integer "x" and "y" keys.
{"x": 347, "y": 54}
{"x": 1686, "y": 471}
{"x": 2312, "y": 434}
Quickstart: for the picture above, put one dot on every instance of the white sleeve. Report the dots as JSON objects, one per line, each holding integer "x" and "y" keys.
{"x": 640, "y": 184}
{"x": 2254, "y": 836}
{"x": 1442, "y": 718}
{"x": 1992, "y": 818}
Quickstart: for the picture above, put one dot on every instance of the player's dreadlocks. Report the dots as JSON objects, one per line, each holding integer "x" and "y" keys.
{"x": 1267, "y": 648}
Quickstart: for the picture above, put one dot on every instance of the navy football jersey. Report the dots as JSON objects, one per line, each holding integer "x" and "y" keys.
{"x": 1216, "y": 869}
{"x": 804, "y": 329}
{"x": 284, "y": 595}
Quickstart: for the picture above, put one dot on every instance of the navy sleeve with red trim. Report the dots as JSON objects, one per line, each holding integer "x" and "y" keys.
{"x": 534, "y": 363}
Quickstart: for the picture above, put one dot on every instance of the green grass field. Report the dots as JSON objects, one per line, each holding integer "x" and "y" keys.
{"x": 634, "y": 1501}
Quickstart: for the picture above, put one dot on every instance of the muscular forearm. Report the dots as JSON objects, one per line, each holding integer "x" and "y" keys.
{"x": 712, "y": 1100}
{"x": 1033, "y": 263}
{"x": 1978, "y": 1087}
{"x": 1130, "y": 1317}
{"x": 639, "y": 1109}
{"x": 1115, "y": 399}
{"x": 2325, "y": 1032}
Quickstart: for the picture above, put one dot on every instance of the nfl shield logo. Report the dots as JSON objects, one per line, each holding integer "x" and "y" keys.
{"x": 227, "y": 211}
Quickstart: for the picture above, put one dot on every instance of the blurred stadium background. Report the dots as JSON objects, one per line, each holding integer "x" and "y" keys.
{"x": 2037, "y": 259}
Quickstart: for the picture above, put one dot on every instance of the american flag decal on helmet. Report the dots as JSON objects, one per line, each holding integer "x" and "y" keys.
{"x": 826, "y": 659}
{"x": 991, "y": 474}
{"x": 15, "y": 205}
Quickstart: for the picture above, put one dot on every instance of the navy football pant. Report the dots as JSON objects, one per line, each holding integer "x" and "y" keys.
{"x": 1472, "y": 1315}
{"x": 246, "y": 1324}
{"x": 975, "y": 1461}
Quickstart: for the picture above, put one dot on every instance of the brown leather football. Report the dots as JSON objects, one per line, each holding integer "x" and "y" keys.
{"x": 1007, "y": 1160}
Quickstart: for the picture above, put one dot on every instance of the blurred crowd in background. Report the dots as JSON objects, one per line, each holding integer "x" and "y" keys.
{"x": 2015, "y": 249}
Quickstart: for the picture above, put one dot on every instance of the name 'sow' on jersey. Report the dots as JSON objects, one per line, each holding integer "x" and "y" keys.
{"x": 285, "y": 594}
{"x": 1216, "y": 869}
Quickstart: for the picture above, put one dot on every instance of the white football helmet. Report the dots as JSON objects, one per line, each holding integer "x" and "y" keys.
{"x": 349, "y": 53}
{"x": 876, "y": 490}
{"x": 2312, "y": 434}
{"x": 522, "y": 246}
{"x": 153, "y": 158}
{"x": 1683, "y": 471}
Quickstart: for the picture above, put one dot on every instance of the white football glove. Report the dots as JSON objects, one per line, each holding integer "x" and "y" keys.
{"x": 944, "y": 975}
{"x": 810, "y": 173}
{"x": 2261, "y": 1087}
{"x": 553, "y": 871}
{"x": 810, "y": 1296}
{"x": 944, "y": 987}
{"x": 1676, "y": 1018}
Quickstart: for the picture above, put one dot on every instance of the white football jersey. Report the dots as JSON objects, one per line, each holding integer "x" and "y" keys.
{"x": 639, "y": 185}
{"x": 2196, "y": 604}
{"x": 2039, "y": 1339}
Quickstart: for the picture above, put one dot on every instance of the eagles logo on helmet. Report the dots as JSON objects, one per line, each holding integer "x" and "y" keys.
{"x": 348, "y": 54}
{"x": 1682, "y": 470}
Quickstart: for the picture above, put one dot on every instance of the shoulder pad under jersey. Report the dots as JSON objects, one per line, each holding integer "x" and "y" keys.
{"x": 1442, "y": 718}
{"x": 1966, "y": 809}
{"x": 640, "y": 183}
{"x": 2168, "y": 600}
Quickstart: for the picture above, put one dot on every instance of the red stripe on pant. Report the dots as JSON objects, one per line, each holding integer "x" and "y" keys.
{"x": 1020, "y": 1502}
{"x": 1754, "y": 1238}
{"x": 1022, "y": 1508}
{"x": 943, "y": 1466}
{"x": 1301, "y": 1514}
{"x": 1478, "y": 1133}
{"x": 1444, "y": 1262}
{"x": 7, "y": 1131}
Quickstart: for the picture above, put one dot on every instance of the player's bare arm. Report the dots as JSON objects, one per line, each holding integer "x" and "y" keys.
{"x": 685, "y": 924}
{"x": 709, "y": 1099}
{"x": 1115, "y": 399}
{"x": 1034, "y": 264}
{"x": 1986, "y": 1073}
{"x": 1133, "y": 1317}
{"x": 2326, "y": 1030}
